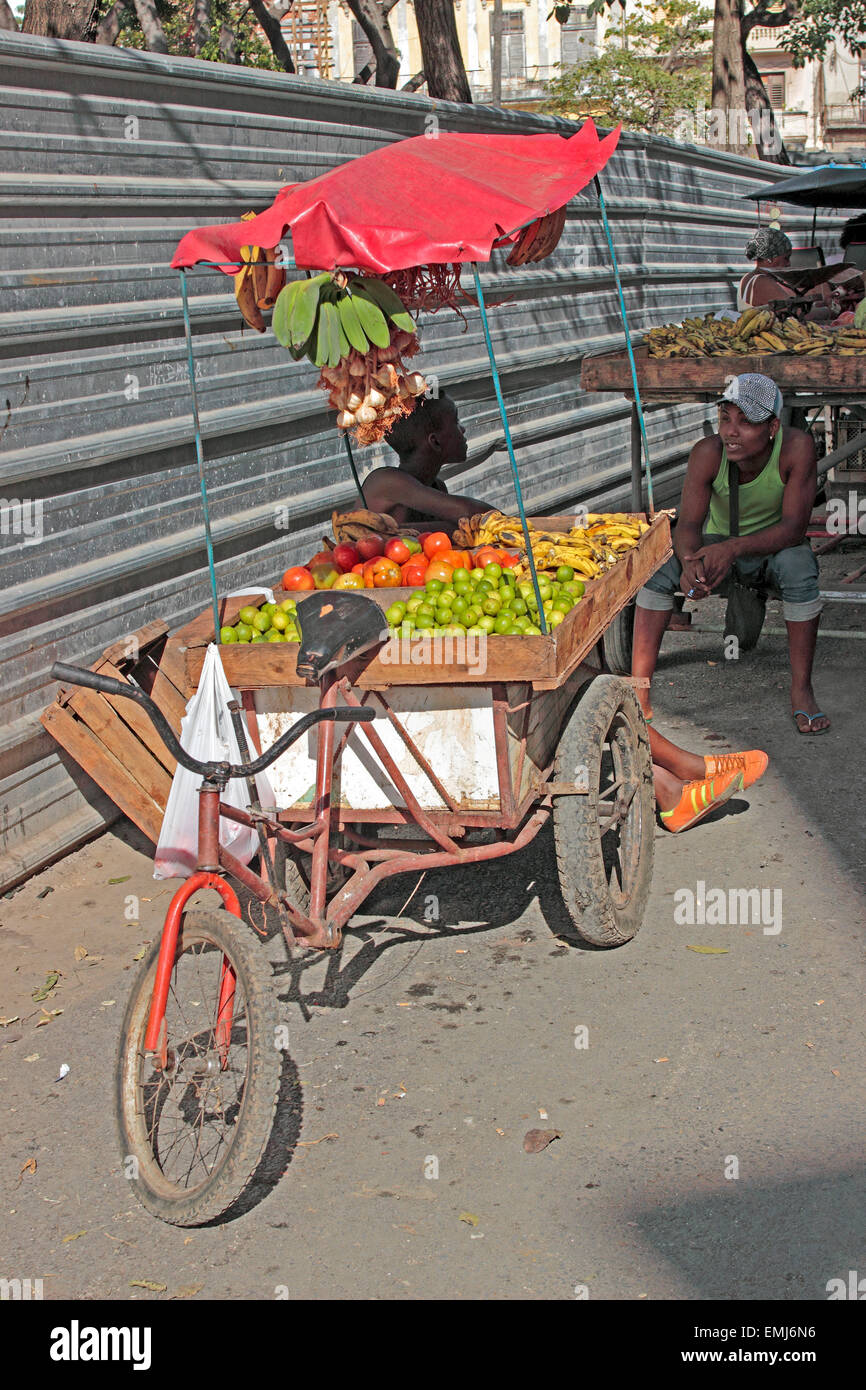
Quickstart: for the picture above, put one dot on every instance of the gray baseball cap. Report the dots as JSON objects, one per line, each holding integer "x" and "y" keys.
{"x": 757, "y": 396}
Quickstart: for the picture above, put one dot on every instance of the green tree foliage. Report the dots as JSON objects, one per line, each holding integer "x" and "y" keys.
{"x": 817, "y": 23}
{"x": 178, "y": 22}
{"x": 656, "y": 64}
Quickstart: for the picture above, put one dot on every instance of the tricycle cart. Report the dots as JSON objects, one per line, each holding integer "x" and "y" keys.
{"x": 453, "y": 751}
{"x": 466, "y": 758}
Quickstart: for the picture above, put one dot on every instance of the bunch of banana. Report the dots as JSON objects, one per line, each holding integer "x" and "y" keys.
{"x": 355, "y": 526}
{"x": 258, "y": 282}
{"x": 330, "y": 315}
{"x": 851, "y": 341}
{"x": 539, "y": 239}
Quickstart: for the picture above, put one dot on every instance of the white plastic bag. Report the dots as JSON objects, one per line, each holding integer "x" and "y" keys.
{"x": 207, "y": 733}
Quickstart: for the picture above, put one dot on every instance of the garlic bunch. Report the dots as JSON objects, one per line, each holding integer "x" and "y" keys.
{"x": 371, "y": 390}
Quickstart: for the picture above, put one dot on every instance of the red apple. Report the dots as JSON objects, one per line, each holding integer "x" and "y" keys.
{"x": 325, "y": 576}
{"x": 397, "y": 550}
{"x": 344, "y": 557}
{"x": 368, "y": 547}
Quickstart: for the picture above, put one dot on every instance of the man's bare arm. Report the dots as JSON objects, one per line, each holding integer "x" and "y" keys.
{"x": 391, "y": 487}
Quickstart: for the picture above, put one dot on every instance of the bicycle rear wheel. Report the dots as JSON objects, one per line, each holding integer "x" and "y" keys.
{"x": 193, "y": 1134}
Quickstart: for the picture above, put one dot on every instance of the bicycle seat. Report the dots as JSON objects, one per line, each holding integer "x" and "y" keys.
{"x": 336, "y": 627}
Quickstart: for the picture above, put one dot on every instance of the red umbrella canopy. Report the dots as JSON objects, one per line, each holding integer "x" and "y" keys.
{"x": 422, "y": 201}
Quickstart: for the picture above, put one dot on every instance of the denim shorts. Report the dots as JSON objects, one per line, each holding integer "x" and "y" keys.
{"x": 793, "y": 573}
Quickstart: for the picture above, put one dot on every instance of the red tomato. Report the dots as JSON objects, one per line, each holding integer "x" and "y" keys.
{"x": 397, "y": 550}
{"x": 359, "y": 568}
{"x": 507, "y": 560}
{"x": 322, "y": 557}
{"x": 487, "y": 555}
{"x": 385, "y": 574}
{"x": 457, "y": 559}
{"x": 437, "y": 569}
{"x": 434, "y": 542}
{"x": 414, "y": 572}
{"x": 297, "y": 577}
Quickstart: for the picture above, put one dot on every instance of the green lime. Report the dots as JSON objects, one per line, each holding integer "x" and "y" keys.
{"x": 475, "y": 576}
{"x": 563, "y": 605}
{"x": 395, "y": 614}
{"x": 424, "y": 621}
{"x": 280, "y": 620}
{"x": 491, "y": 605}
{"x": 289, "y": 605}
{"x": 532, "y": 630}
{"x": 243, "y": 632}
{"x": 502, "y": 624}
{"x": 555, "y": 618}
{"x": 576, "y": 587}
{"x": 247, "y": 614}
{"x": 460, "y": 606}
{"x": 261, "y": 622}
{"x": 407, "y": 627}
{"x": 424, "y": 610}
{"x": 460, "y": 579}
{"x": 486, "y": 623}
{"x": 493, "y": 572}
{"x": 471, "y": 616}
{"x": 268, "y": 608}
{"x": 518, "y": 605}
{"x": 445, "y": 599}
{"x": 475, "y": 631}
{"x": 564, "y": 574}
{"x": 434, "y": 586}
{"x": 443, "y": 617}
{"x": 257, "y": 637}
{"x": 274, "y": 636}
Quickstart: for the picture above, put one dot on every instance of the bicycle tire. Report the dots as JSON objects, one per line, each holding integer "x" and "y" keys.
{"x": 605, "y": 878}
{"x": 177, "y": 1175}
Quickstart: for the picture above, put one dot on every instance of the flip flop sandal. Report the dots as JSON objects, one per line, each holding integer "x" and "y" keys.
{"x": 810, "y": 732}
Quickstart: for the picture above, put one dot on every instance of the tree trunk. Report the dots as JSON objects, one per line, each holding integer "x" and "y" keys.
{"x": 762, "y": 118}
{"x": 440, "y": 51}
{"x": 201, "y": 25}
{"x": 228, "y": 45}
{"x": 151, "y": 27}
{"x": 729, "y": 82}
{"x": 7, "y": 18}
{"x": 496, "y": 54}
{"x": 109, "y": 26}
{"x": 61, "y": 19}
{"x": 273, "y": 33}
{"x": 374, "y": 23}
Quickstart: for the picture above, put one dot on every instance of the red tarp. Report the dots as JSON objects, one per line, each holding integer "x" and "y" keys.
{"x": 422, "y": 201}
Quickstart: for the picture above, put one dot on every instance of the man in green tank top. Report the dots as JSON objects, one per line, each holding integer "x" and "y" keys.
{"x": 776, "y": 493}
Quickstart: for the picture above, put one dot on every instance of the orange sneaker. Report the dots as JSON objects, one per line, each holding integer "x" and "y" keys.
{"x": 699, "y": 798}
{"x": 752, "y": 765}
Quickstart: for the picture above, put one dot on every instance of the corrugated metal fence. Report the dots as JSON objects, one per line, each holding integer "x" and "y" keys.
{"x": 107, "y": 159}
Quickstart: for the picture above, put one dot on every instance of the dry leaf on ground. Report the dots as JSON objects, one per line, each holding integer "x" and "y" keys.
{"x": 534, "y": 1140}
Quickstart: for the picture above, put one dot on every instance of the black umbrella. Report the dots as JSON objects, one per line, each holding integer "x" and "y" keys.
{"x": 828, "y": 186}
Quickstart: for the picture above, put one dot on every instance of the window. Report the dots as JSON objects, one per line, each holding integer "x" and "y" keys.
{"x": 513, "y": 51}
{"x": 577, "y": 39}
{"x": 775, "y": 85}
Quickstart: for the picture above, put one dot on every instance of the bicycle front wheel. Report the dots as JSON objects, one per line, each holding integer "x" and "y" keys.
{"x": 193, "y": 1133}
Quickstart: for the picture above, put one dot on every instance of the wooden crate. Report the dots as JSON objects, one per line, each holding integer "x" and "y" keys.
{"x": 112, "y": 739}
{"x": 705, "y": 378}
{"x": 545, "y": 662}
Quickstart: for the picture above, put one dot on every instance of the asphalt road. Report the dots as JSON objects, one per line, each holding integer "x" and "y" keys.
{"x": 710, "y": 1106}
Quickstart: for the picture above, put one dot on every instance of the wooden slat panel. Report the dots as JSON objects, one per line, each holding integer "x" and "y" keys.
{"x": 115, "y": 735}
{"x": 678, "y": 378}
{"x": 87, "y": 750}
{"x": 133, "y": 715}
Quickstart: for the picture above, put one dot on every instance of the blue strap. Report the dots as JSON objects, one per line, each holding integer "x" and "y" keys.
{"x": 479, "y": 294}
{"x": 199, "y": 453}
{"x": 624, "y": 317}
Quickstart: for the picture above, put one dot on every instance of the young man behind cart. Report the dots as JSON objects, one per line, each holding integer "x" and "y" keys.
{"x": 777, "y": 479}
{"x": 424, "y": 442}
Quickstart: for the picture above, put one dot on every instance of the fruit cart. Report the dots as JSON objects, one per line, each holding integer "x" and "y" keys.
{"x": 454, "y": 751}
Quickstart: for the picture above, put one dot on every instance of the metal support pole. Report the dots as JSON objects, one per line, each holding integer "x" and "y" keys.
{"x": 636, "y": 491}
{"x": 497, "y": 386}
{"x": 624, "y": 317}
{"x": 354, "y": 470}
{"x": 199, "y": 454}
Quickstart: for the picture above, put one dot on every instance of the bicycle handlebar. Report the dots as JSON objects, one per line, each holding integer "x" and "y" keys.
{"x": 218, "y": 772}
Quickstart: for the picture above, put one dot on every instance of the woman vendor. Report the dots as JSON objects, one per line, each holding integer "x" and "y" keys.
{"x": 770, "y": 249}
